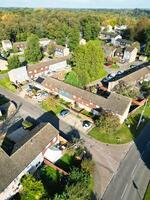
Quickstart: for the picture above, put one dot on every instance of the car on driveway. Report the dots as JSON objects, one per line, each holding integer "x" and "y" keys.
{"x": 86, "y": 124}
{"x": 64, "y": 112}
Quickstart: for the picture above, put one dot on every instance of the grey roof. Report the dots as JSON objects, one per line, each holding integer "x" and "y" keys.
{"x": 6, "y": 41}
{"x": 47, "y": 63}
{"x": 114, "y": 102}
{"x": 124, "y": 41}
{"x": 137, "y": 75}
{"x": 26, "y": 151}
{"x": 129, "y": 49}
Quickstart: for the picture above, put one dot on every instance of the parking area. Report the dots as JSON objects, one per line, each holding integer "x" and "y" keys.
{"x": 76, "y": 121}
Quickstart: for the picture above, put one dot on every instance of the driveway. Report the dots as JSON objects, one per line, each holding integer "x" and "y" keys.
{"x": 75, "y": 121}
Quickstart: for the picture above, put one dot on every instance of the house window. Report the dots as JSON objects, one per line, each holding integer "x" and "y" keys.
{"x": 30, "y": 72}
{"x": 42, "y": 68}
{"x": 35, "y": 71}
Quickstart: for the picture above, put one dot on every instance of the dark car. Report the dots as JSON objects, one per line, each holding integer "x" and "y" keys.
{"x": 86, "y": 124}
{"x": 64, "y": 112}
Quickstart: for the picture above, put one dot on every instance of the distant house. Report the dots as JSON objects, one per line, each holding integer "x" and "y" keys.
{"x": 18, "y": 75}
{"x": 44, "y": 42}
{"x": 122, "y": 42}
{"x": 130, "y": 54}
{"x": 109, "y": 51}
{"x": 114, "y": 39}
{"x": 133, "y": 78}
{"x": 20, "y": 46}
{"x": 109, "y": 28}
{"x": 43, "y": 68}
{"x": 6, "y": 45}
{"x": 119, "y": 53}
{"x": 61, "y": 51}
{"x": 117, "y": 104}
{"x": 3, "y": 65}
{"x": 120, "y": 28}
{"x": 26, "y": 156}
{"x": 82, "y": 41}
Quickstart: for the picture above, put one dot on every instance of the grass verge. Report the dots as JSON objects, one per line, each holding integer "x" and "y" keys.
{"x": 6, "y": 83}
{"x": 147, "y": 194}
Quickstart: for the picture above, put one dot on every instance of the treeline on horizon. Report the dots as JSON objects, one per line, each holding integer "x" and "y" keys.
{"x": 16, "y": 24}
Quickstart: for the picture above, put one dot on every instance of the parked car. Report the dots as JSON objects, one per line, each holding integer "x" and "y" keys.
{"x": 112, "y": 75}
{"x": 132, "y": 66}
{"x": 119, "y": 72}
{"x": 64, "y": 112}
{"x": 86, "y": 124}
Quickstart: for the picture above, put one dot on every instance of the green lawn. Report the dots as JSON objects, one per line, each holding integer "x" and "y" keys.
{"x": 52, "y": 104}
{"x": 147, "y": 194}
{"x": 5, "y": 83}
{"x": 65, "y": 162}
{"x": 125, "y": 134}
{"x": 4, "y": 71}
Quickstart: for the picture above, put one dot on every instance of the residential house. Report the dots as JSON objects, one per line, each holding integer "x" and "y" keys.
{"x": 122, "y": 42}
{"x": 43, "y": 68}
{"x": 120, "y": 28}
{"x": 44, "y": 42}
{"x": 6, "y": 45}
{"x": 26, "y": 156}
{"x": 61, "y": 51}
{"x": 20, "y": 46}
{"x": 109, "y": 51}
{"x": 119, "y": 53}
{"x": 82, "y": 41}
{"x": 130, "y": 54}
{"x": 18, "y": 75}
{"x": 3, "y": 65}
{"x": 139, "y": 74}
{"x": 114, "y": 39}
{"x": 115, "y": 103}
{"x": 109, "y": 28}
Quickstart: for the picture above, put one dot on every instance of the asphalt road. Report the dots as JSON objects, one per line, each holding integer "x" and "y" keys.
{"x": 133, "y": 175}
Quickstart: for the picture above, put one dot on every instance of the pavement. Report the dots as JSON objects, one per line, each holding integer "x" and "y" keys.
{"x": 133, "y": 175}
{"x": 106, "y": 157}
{"x": 75, "y": 121}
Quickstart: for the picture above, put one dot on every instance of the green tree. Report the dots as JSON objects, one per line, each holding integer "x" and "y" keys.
{"x": 90, "y": 28}
{"x": 33, "y": 51}
{"x": 72, "y": 79}
{"x": 88, "y": 62}
{"x": 73, "y": 38}
{"x": 13, "y": 62}
{"x": 51, "y": 50}
{"x": 107, "y": 122}
{"x": 32, "y": 189}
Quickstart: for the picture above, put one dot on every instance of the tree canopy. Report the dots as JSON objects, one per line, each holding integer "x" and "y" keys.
{"x": 32, "y": 189}
{"x": 33, "y": 52}
{"x": 13, "y": 62}
{"x": 88, "y": 62}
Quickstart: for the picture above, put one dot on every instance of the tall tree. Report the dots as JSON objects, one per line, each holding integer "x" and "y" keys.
{"x": 88, "y": 62}
{"x": 33, "y": 52}
{"x": 13, "y": 62}
{"x": 90, "y": 28}
{"x": 147, "y": 49}
{"x": 73, "y": 38}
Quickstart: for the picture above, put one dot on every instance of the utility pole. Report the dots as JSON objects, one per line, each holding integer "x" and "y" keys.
{"x": 142, "y": 114}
